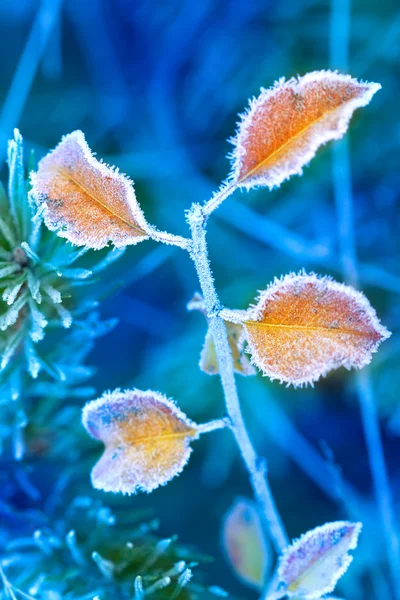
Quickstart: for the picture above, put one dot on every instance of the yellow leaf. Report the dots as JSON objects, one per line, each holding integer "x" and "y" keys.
{"x": 208, "y": 358}
{"x": 84, "y": 200}
{"x": 304, "y": 326}
{"x": 283, "y": 128}
{"x": 146, "y": 440}
{"x": 312, "y": 565}
{"x": 245, "y": 544}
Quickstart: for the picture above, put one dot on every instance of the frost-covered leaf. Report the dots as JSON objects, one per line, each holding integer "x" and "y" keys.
{"x": 303, "y": 326}
{"x": 241, "y": 364}
{"x": 17, "y": 185}
{"x": 283, "y": 128}
{"x": 197, "y": 303}
{"x": 10, "y": 348}
{"x": 245, "y": 544}
{"x": 10, "y": 316}
{"x": 146, "y": 440}
{"x": 208, "y": 358}
{"x": 84, "y": 200}
{"x": 312, "y": 565}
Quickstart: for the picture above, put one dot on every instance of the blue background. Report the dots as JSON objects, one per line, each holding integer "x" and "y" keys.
{"x": 156, "y": 87}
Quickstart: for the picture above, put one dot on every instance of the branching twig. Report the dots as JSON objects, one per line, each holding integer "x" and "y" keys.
{"x": 254, "y": 464}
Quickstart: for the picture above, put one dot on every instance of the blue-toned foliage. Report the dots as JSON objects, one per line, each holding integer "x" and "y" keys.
{"x": 85, "y": 552}
{"x": 40, "y": 279}
{"x": 156, "y": 86}
{"x": 60, "y": 548}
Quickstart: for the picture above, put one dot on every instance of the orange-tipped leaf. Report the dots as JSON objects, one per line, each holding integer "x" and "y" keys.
{"x": 146, "y": 440}
{"x": 84, "y": 200}
{"x": 303, "y": 326}
{"x": 285, "y": 125}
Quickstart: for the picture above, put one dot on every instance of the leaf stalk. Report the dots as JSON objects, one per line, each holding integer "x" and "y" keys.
{"x": 217, "y": 199}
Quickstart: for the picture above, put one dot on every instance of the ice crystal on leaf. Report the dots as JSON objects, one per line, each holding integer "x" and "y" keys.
{"x": 244, "y": 543}
{"x": 303, "y": 326}
{"x": 84, "y": 200}
{"x": 312, "y": 565}
{"x": 146, "y": 440}
{"x": 284, "y": 127}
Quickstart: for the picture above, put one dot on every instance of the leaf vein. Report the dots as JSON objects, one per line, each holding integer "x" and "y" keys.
{"x": 102, "y": 204}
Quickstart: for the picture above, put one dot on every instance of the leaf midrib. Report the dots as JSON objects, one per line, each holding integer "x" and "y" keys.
{"x": 177, "y": 435}
{"x": 296, "y": 584}
{"x": 307, "y": 328}
{"x": 108, "y": 208}
{"x": 281, "y": 149}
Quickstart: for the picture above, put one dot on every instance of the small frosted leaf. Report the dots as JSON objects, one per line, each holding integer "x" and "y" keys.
{"x": 11, "y": 315}
{"x": 241, "y": 364}
{"x": 146, "y": 440}
{"x": 312, "y": 565}
{"x": 53, "y": 293}
{"x": 11, "y": 347}
{"x": 11, "y": 291}
{"x": 84, "y": 200}
{"x": 244, "y": 543}
{"x": 34, "y": 363}
{"x": 284, "y": 127}
{"x": 303, "y": 326}
{"x": 208, "y": 358}
{"x": 65, "y": 316}
{"x": 8, "y": 270}
{"x": 197, "y": 303}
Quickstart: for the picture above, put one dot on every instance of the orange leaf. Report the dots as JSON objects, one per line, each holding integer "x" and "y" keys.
{"x": 283, "y": 128}
{"x": 84, "y": 200}
{"x": 146, "y": 440}
{"x": 208, "y": 358}
{"x": 245, "y": 544}
{"x": 304, "y": 326}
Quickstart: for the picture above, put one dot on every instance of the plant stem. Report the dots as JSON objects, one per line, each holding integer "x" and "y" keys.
{"x": 169, "y": 238}
{"x": 213, "y": 425}
{"x": 225, "y": 191}
{"x": 379, "y": 472}
{"x": 365, "y": 391}
{"x": 255, "y": 466}
{"x": 342, "y": 189}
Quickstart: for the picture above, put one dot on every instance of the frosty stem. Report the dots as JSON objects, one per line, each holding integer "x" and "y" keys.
{"x": 255, "y": 465}
{"x": 225, "y": 191}
{"x": 169, "y": 238}
{"x": 365, "y": 391}
{"x": 343, "y": 194}
{"x": 213, "y": 425}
